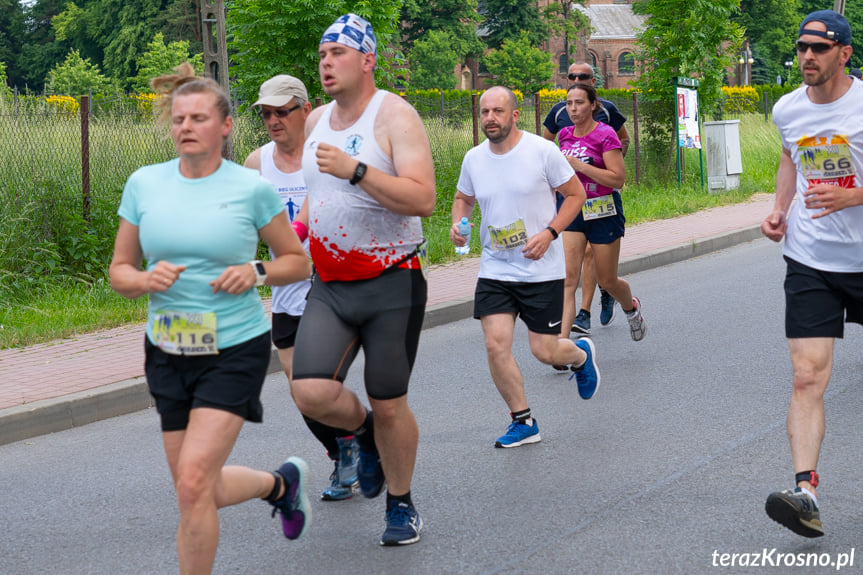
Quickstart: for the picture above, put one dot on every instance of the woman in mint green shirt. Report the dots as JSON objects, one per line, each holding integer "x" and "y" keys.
{"x": 196, "y": 220}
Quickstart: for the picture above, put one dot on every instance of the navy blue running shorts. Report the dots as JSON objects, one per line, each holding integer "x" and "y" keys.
{"x": 602, "y": 230}
{"x": 818, "y": 304}
{"x": 230, "y": 381}
{"x": 539, "y": 304}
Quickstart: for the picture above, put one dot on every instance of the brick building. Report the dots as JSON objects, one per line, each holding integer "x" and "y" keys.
{"x": 609, "y": 45}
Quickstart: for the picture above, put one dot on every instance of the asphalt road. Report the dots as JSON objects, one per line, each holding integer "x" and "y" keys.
{"x": 664, "y": 471}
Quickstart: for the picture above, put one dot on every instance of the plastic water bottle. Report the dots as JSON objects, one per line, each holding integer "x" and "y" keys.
{"x": 464, "y": 231}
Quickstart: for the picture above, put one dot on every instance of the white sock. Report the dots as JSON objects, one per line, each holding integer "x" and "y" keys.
{"x": 810, "y": 494}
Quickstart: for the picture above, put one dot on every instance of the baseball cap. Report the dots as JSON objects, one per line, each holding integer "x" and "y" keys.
{"x": 278, "y": 91}
{"x": 352, "y": 31}
{"x": 837, "y": 26}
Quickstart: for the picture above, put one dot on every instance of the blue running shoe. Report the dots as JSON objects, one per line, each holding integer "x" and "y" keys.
{"x": 586, "y": 375}
{"x": 606, "y": 316}
{"x": 519, "y": 434}
{"x": 348, "y": 460}
{"x": 582, "y": 322}
{"x": 403, "y": 524}
{"x": 336, "y": 491}
{"x": 293, "y": 505}
{"x": 370, "y": 472}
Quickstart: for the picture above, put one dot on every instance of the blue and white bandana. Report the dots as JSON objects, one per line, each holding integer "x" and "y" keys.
{"x": 352, "y": 31}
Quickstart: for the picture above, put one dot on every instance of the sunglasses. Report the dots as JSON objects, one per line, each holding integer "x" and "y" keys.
{"x": 816, "y": 47}
{"x": 279, "y": 112}
{"x": 581, "y": 77}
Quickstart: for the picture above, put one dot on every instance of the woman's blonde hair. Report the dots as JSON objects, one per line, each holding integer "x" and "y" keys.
{"x": 185, "y": 82}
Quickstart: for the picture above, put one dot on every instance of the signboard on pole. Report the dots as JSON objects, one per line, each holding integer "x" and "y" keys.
{"x": 688, "y": 135}
{"x": 687, "y": 122}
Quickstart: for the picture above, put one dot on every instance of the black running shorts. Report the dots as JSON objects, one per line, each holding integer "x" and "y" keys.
{"x": 539, "y": 304}
{"x": 285, "y": 329}
{"x": 383, "y": 316}
{"x": 817, "y": 303}
{"x": 230, "y": 381}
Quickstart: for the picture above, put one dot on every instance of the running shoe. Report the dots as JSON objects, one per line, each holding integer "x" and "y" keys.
{"x": 637, "y": 327}
{"x": 370, "y": 472}
{"x": 795, "y": 510}
{"x": 606, "y": 315}
{"x": 293, "y": 505}
{"x": 403, "y": 524}
{"x": 519, "y": 434}
{"x": 336, "y": 491}
{"x": 582, "y": 322}
{"x": 587, "y": 374}
{"x": 348, "y": 460}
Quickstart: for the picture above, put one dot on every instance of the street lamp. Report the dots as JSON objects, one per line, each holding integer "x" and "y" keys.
{"x": 788, "y": 64}
{"x": 745, "y": 60}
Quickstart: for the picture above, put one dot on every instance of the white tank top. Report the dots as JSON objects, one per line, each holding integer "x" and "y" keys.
{"x": 352, "y": 237}
{"x": 290, "y": 299}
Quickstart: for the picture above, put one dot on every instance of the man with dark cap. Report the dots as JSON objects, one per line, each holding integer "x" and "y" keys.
{"x": 821, "y": 126}
{"x": 368, "y": 167}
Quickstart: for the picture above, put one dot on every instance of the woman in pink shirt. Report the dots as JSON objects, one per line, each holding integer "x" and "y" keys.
{"x": 594, "y": 151}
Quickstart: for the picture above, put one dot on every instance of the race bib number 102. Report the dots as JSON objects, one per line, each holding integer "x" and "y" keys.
{"x": 508, "y": 237}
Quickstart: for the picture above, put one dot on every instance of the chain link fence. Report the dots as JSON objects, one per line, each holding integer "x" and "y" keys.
{"x": 62, "y": 172}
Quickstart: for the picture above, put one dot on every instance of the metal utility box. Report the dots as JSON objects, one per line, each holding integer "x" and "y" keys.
{"x": 724, "y": 165}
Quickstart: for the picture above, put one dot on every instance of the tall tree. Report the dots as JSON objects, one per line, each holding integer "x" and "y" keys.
{"x": 564, "y": 20}
{"x": 520, "y": 66}
{"x": 11, "y": 33}
{"x": 771, "y": 28}
{"x": 40, "y": 50}
{"x": 432, "y": 62}
{"x": 508, "y": 19}
{"x": 458, "y": 18}
{"x": 688, "y": 38}
{"x": 161, "y": 58}
{"x": 270, "y": 37}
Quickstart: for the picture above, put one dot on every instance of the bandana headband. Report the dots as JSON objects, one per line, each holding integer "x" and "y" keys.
{"x": 352, "y": 31}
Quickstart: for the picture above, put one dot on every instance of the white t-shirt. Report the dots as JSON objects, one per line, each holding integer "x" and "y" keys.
{"x": 291, "y": 298}
{"x": 826, "y": 144}
{"x": 515, "y": 192}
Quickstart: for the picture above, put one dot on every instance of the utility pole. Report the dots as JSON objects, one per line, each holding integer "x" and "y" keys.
{"x": 216, "y": 52}
{"x": 839, "y": 6}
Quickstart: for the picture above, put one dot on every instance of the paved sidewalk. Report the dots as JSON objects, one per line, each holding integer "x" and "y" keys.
{"x": 66, "y": 383}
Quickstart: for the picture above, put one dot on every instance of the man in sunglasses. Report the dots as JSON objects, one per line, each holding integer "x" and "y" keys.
{"x": 556, "y": 120}
{"x": 821, "y": 126}
{"x": 283, "y": 105}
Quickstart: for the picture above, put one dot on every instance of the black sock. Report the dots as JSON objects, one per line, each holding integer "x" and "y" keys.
{"x": 366, "y": 434}
{"x": 406, "y": 498}
{"x": 521, "y": 416}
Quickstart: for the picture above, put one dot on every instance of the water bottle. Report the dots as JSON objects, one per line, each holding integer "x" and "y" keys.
{"x": 464, "y": 231}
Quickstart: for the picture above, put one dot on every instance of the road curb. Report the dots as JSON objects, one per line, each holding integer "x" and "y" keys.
{"x": 77, "y": 409}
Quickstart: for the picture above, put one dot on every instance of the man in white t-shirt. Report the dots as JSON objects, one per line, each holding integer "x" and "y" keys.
{"x": 821, "y": 125}
{"x": 514, "y": 175}
{"x": 283, "y": 105}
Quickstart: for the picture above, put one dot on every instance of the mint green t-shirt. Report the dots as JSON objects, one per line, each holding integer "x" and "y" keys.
{"x": 205, "y": 224}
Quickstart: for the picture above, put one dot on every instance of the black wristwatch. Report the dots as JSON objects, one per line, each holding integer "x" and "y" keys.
{"x": 359, "y": 173}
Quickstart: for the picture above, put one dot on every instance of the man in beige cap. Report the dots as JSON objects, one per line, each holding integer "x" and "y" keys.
{"x": 283, "y": 104}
